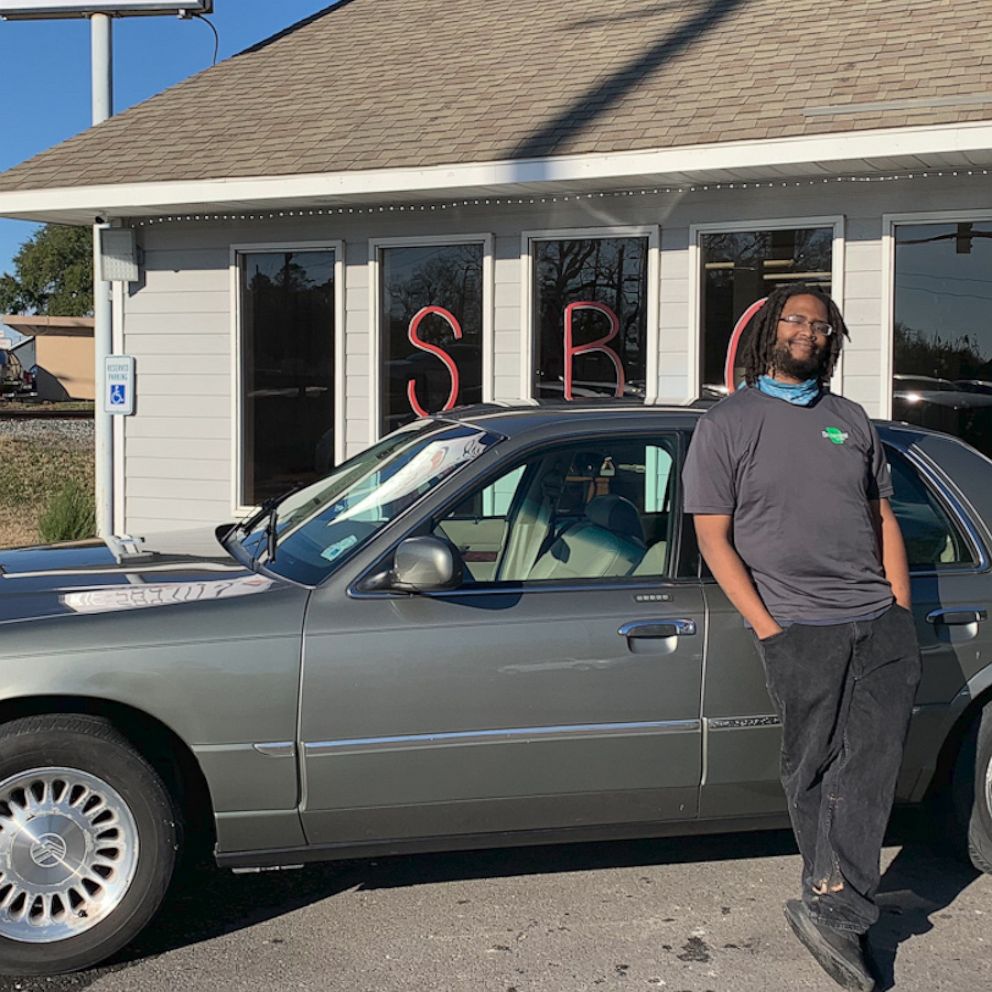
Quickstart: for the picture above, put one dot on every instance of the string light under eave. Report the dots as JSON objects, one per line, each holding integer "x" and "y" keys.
{"x": 519, "y": 201}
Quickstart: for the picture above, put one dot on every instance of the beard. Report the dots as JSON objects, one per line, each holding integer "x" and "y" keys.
{"x": 813, "y": 365}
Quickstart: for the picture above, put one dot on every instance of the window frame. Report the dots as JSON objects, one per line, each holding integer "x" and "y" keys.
{"x": 696, "y": 285}
{"x": 888, "y": 280}
{"x": 376, "y": 245}
{"x": 938, "y": 486}
{"x": 426, "y": 526}
{"x": 236, "y": 250}
{"x": 528, "y": 332}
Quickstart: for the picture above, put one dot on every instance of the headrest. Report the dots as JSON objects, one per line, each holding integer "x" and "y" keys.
{"x": 616, "y": 514}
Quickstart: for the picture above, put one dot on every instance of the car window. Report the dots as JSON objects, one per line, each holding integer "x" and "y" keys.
{"x": 322, "y": 525}
{"x": 599, "y": 509}
{"x": 932, "y": 538}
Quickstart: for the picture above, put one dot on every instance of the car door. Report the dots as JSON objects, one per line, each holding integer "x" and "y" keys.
{"x": 951, "y": 591}
{"x": 559, "y": 687}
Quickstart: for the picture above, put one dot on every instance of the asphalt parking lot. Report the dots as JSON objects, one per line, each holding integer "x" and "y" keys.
{"x": 684, "y": 915}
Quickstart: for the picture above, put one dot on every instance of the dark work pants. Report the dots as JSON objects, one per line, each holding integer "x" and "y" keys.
{"x": 844, "y": 694}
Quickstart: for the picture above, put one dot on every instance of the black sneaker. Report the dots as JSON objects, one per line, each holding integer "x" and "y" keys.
{"x": 839, "y": 954}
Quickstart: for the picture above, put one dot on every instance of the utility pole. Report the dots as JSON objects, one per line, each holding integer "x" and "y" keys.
{"x": 101, "y": 14}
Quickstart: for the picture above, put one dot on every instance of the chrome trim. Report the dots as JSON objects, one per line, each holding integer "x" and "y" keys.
{"x": 938, "y": 615}
{"x": 276, "y": 749}
{"x": 528, "y": 588}
{"x": 317, "y": 748}
{"x": 743, "y": 722}
{"x": 682, "y": 628}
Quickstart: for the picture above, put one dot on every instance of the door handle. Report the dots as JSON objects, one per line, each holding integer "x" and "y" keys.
{"x": 958, "y": 616}
{"x": 658, "y": 628}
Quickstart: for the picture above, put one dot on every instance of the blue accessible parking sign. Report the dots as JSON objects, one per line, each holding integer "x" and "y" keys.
{"x": 118, "y": 396}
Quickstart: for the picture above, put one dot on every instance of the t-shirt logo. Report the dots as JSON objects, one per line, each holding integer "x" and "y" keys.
{"x": 834, "y": 434}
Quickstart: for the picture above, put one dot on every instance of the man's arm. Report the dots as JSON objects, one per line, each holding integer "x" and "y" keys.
{"x": 713, "y": 536}
{"x": 894, "y": 561}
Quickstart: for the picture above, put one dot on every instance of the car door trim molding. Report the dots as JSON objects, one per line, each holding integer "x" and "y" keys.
{"x": 742, "y": 722}
{"x": 512, "y": 735}
{"x": 276, "y": 749}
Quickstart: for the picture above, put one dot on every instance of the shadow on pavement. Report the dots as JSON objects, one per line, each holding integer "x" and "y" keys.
{"x": 919, "y": 883}
{"x": 209, "y": 903}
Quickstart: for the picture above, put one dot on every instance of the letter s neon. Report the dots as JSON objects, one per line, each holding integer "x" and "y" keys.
{"x": 449, "y": 363}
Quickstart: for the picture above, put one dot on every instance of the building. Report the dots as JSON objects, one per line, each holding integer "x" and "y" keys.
{"x": 61, "y": 354}
{"x": 400, "y": 204}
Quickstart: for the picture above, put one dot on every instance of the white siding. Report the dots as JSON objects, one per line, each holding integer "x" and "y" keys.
{"x": 178, "y": 322}
{"x": 177, "y": 462}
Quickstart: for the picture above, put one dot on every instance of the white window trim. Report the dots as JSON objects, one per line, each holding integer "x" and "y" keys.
{"x": 237, "y": 392}
{"x": 837, "y": 269}
{"x": 888, "y": 287}
{"x": 653, "y": 333}
{"x": 375, "y": 314}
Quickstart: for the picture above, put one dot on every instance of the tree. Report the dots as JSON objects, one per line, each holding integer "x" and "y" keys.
{"x": 53, "y": 274}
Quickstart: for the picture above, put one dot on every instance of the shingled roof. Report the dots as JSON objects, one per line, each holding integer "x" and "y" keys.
{"x": 373, "y": 84}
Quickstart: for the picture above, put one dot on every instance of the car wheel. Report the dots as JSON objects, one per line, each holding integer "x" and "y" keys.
{"x": 88, "y": 841}
{"x": 972, "y": 790}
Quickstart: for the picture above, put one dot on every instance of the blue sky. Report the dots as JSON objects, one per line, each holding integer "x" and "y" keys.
{"x": 45, "y": 73}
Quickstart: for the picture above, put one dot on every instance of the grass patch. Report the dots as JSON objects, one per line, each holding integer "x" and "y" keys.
{"x": 32, "y": 474}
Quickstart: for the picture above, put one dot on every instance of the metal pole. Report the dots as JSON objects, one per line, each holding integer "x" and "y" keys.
{"x": 101, "y": 33}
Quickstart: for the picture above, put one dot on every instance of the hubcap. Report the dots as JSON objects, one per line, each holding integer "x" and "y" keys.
{"x": 68, "y": 853}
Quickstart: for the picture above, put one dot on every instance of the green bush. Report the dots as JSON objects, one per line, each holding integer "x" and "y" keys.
{"x": 69, "y": 516}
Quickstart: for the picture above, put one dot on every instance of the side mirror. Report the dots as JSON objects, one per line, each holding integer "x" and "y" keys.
{"x": 425, "y": 564}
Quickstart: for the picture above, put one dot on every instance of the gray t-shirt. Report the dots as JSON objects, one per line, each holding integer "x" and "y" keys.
{"x": 797, "y": 482}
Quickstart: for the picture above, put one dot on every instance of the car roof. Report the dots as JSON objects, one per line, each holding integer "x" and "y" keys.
{"x": 519, "y": 419}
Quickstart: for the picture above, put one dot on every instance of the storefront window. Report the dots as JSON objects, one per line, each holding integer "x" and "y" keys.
{"x": 590, "y": 313}
{"x": 744, "y": 266}
{"x": 287, "y": 370}
{"x": 431, "y": 330}
{"x": 942, "y": 333}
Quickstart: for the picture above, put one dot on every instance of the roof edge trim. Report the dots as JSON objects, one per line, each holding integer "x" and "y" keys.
{"x": 826, "y": 151}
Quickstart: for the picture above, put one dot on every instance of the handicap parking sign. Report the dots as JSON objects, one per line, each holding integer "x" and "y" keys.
{"x": 118, "y": 395}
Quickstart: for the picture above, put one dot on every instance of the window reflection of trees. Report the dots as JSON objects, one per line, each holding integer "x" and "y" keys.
{"x": 612, "y": 271}
{"x": 287, "y": 340}
{"x": 448, "y": 276}
{"x": 942, "y": 334}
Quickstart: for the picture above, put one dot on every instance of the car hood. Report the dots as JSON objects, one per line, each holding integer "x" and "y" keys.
{"x": 120, "y": 574}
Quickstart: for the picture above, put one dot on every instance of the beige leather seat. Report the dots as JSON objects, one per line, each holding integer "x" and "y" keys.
{"x": 607, "y": 543}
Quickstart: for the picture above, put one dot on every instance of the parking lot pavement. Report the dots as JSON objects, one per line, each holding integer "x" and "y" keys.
{"x": 683, "y": 915}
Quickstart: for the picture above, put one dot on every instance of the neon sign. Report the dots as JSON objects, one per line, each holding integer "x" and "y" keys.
{"x": 572, "y": 350}
{"x": 735, "y": 343}
{"x": 449, "y": 363}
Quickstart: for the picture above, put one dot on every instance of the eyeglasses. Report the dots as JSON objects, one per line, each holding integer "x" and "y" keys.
{"x": 820, "y": 327}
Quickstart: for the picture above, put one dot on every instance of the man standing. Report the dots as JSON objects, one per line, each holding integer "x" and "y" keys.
{"x": 789, "y": 487}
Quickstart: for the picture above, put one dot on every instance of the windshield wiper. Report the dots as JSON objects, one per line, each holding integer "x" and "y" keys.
{"x": 265, "y": 508}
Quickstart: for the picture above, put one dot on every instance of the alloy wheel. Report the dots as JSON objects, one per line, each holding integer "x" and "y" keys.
{"x": 68, "y": 853}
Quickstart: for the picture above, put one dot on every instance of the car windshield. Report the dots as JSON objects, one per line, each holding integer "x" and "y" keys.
{"x": 319, "y": 526}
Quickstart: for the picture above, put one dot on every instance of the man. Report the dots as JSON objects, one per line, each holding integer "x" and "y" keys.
{"x": 789, "y": 487}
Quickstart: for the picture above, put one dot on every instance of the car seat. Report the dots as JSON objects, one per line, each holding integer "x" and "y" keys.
{"x": 608, "y": 542}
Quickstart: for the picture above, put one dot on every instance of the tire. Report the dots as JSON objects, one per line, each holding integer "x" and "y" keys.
{"x": 82, "y": 889}
{"x": 972, "y": 791}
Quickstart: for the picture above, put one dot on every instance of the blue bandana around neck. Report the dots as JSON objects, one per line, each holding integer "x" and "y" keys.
{"x": 799, "y": 393}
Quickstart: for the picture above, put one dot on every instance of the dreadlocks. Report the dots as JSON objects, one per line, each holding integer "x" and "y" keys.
{"x": 759, "y": 346}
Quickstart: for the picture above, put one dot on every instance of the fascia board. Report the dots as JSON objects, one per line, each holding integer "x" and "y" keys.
{"x": 770, "y": 157}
